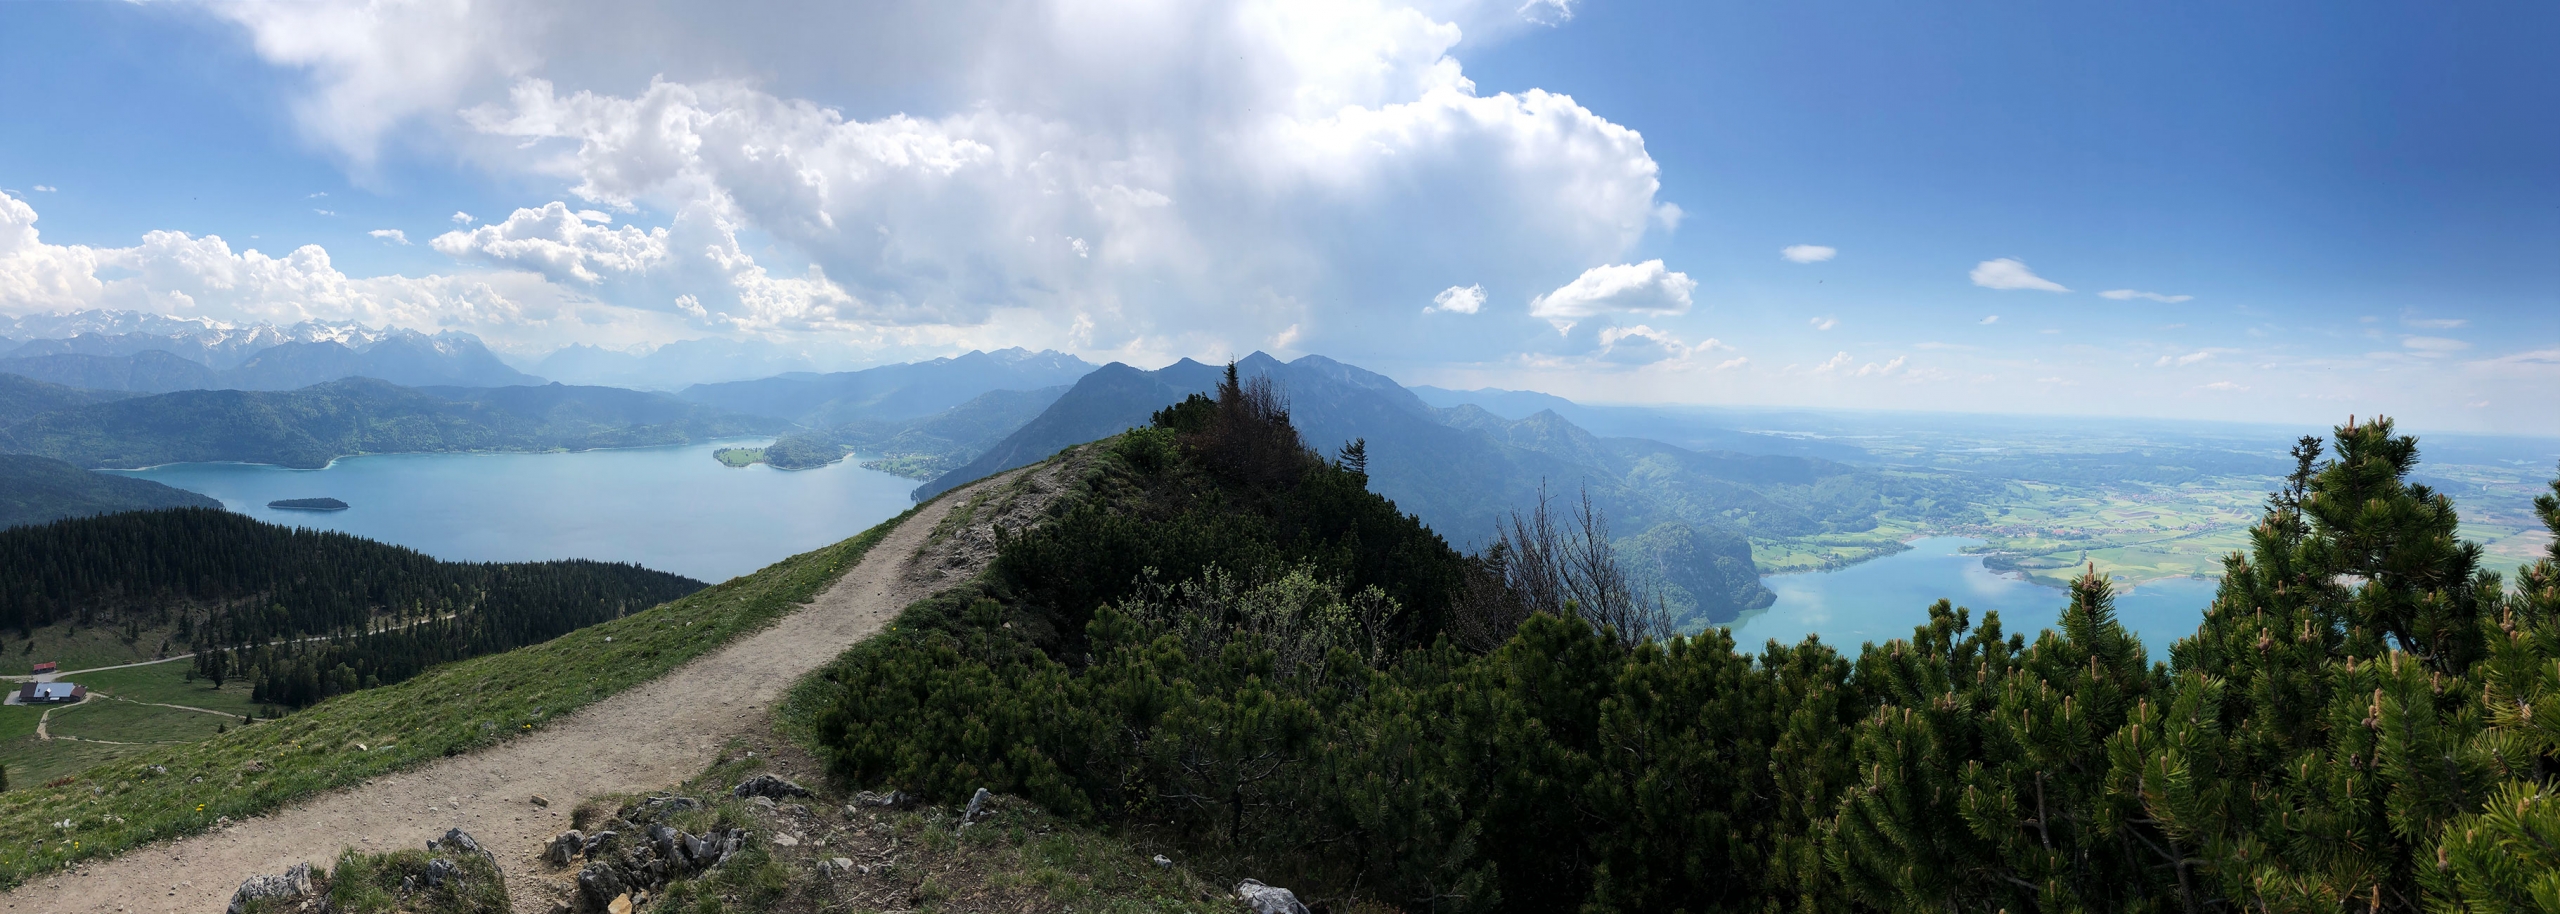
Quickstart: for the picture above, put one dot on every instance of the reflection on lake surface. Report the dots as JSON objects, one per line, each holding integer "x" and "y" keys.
{"x": 1886, "y": 598}
{"x": 670, "y": 508}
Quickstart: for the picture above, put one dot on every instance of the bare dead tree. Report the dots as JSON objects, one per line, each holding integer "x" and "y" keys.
{"x": 1565, "y": 567}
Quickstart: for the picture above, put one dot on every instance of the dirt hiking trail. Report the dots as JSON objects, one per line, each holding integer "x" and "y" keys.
{"x": 657, "y": 733}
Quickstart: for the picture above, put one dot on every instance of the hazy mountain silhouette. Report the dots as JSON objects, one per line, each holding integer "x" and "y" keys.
{"x": 311, "y": 426}
{"x": 891, "y": 392}
{"x": 401, "y": 357}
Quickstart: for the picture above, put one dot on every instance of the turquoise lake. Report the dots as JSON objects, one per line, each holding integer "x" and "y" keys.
{"x": 677, "y": 509}
{"x": 669, "y": 508}
{"x": 1883, "y": 599}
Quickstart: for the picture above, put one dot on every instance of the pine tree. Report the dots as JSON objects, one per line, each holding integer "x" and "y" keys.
{"x": 2506, "y": 857}
{"x": 2319, "y": 730}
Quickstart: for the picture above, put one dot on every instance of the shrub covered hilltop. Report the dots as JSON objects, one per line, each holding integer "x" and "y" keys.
{"x": 1223, "y": 640}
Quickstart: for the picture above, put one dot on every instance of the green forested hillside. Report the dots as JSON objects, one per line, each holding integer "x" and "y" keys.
{"x": 38, "y": 489}
{"x": 22, "y": 397}
{"x": 311, "y": 426}
{"x": 2352, "y": 729}
{"x": 303, "y": 614}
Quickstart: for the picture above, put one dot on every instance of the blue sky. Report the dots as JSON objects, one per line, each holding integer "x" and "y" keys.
{"x": 2327, "y": 208}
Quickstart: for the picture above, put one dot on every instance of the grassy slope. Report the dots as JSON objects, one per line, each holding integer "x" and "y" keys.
{"x": 447, "y": 711}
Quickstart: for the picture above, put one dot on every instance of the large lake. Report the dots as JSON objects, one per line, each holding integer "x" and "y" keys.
{"x": 670, "y": 508}
{"x": 1883, "y": 599}
{"x": 677, "y": 509}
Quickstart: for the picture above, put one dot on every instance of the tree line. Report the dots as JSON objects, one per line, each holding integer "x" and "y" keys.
{"x": 301, "y": 614}
{"x": 1223, "y": 640}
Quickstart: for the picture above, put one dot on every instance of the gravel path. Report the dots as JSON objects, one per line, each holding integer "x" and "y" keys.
{"x": 655, "y": 734}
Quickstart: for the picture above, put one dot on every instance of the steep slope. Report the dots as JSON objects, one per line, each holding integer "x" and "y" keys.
{"x": 311, "y": 426}
{"x": 34, "y": 490}
{"x": 891, "y": 392}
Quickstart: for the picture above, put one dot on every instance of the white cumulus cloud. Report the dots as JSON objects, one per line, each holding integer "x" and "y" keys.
{"x": 1458, "y": 300}
{"x": 1232, "y": 169}
{"x": 1824, "y": 323}
{"x": 202, "y": 276}
{"x": 461, "y": 218}
{"x": 394, "y": 236}
{"x": 1808, "y": 253}
{"x": 2007, "y": 274}
{"x": 559, "y": 244}
{"x": 1641, "y": 288}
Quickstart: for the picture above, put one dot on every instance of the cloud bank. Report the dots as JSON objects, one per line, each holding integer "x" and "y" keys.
{"x": 1181, "y": 177}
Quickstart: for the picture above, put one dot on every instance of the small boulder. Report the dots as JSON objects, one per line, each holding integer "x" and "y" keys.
{"x": 601, "y": 843}
{"x": 766, "y": 785}
{"x": 294, "y": 884}
{"x": 977, "y": 804}
{"x": 621, "y": 904}
{"x": 439, "y": 870}
{"x": 601, "y": 885}
{"x": 1268, "y": 899}
{"x": 1163, "y": 862}
{"x": 566, "y": 847}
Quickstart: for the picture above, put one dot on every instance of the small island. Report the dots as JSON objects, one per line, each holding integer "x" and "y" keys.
{"x": 308, "y": 504}
{"x": 790, "y": 453}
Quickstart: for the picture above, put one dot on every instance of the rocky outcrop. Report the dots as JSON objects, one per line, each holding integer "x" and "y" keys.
{"x": 637, "y": 851}
{"x": 769, "y": 787}
{"x": 293, "y": 885}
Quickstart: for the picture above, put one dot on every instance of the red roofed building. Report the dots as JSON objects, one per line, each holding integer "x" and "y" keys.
{"x": 45, "y": 667}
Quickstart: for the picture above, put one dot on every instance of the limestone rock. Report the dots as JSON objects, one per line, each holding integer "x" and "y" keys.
{"x": 566, "y": 847}
{"x": 293, "y": 884}
{"x": 439, "y": 870}
{"x": 892, "y": 799}
{"x": 977, "y": 804}
{"x": 1268, "y": 899}
{"x": 600, "y": 884}
{"x": 766, "y": 785}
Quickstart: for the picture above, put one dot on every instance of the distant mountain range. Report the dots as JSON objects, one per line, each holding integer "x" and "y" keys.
{"x": 311, "y": 426}
{"x": 126, "y": 351}
{"x": 891, "y": 392}
{"x": 34, "y": 490}
{"x": 1463, "y": 468}
{"x": 674, "y": 366}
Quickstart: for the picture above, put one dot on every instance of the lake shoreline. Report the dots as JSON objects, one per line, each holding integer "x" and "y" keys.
{"x": 668, "y": 507}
